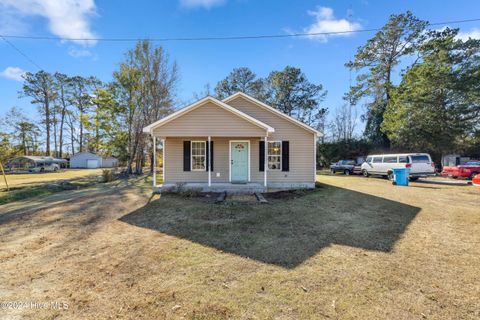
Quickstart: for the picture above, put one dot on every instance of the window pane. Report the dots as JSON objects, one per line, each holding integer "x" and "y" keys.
{"x": 403, "y": 159}
{"x": 377, "y": 160}
{"x": 198, "y": 155}
{"x": 420, "y": 159}
{"x": 198, "y": 148}
{"x": 198, "y": 162}
{"x": 274, "y": 162}
{"x": 390, "y": 159}
{"x": 274, "y": 148}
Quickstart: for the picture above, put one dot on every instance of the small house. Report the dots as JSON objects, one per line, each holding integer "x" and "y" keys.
{"x": 233, "y": 144}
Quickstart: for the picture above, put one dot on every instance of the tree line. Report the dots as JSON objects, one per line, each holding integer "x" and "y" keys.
{"x": 85, "y": 114}
{"x": 434, "y": 106}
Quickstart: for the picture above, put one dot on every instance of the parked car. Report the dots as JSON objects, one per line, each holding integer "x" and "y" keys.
{"x": 468, "y": 170}
{"x": 476, "y": 180}
{"x": 420, "y": 165}
{"x": 347, "y": 167}
{"x": 44, "y": 167}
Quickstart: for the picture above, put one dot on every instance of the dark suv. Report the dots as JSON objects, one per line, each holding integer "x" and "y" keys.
{"x": 347, "y": 167}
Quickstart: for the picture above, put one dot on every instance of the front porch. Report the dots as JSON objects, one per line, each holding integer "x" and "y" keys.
{"x": 210, "y": 164}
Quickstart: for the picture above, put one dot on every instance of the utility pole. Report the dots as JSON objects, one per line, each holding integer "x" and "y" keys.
{"x": 4, "y": 176}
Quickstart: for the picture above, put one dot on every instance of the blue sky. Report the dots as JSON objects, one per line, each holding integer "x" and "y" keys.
{"x": 322, "y": 59}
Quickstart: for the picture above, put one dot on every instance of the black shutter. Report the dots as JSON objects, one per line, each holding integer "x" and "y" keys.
{"x": 208, "y": 155}
{"x": 186, "y": 156}
{"x": 261, "y": 156}
{"x": 285, "y": 156}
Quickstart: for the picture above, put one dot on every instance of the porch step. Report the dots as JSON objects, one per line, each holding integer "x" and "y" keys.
{"x": 221, "y": 197}
{"x": 260, "y": 197}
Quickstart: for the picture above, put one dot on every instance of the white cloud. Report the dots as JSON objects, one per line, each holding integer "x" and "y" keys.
{"x": 66, "y": 18}
{"x": 79, "y": 53}
{"x": 325, "y": 22}
{"x": 474, "y": 34}
{"x": 13, "y": 73}
{"x": 207, "y": 4}
{"x": 82, "y": 53}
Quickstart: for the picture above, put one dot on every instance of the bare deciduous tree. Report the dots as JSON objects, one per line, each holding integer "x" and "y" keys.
{"x": 344, "y": 123}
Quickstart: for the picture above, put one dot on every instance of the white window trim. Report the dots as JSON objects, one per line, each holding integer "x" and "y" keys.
{"x": 275, "y": 155}
{"x": 204, "y": 155}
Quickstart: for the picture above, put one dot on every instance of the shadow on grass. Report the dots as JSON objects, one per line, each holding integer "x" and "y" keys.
{"x": 284, "y": 232}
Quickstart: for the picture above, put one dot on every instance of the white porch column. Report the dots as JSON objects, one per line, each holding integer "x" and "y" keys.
{"x": 163, "y": 160}
{"x": 266, "y": 163}
{"x": 209, "y": 161}
{"x": 154, "y": 167}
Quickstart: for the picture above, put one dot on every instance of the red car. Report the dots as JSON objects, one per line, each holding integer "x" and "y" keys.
{"x": 476, "y": 181}
{"x": 468, "y": 170}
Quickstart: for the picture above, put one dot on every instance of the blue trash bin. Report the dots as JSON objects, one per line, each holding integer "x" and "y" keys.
{"x": 400, "y": 176}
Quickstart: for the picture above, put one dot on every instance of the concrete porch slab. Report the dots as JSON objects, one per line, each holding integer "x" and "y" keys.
{"x": 215, "y": 187}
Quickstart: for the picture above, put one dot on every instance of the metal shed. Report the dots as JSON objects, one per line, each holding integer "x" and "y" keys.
{"x": 109, "y": 163}
{"x": 91, "y": 160}
{"x": 85, "y": 160}
{"x": 26, "y": 163}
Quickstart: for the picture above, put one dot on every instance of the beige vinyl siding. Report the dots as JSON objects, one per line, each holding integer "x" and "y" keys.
{"x": 301, "y": 144}
{"x": 221, "y": 147}
{"x": 209, "y": 120}
{"x": 174, "y": 162}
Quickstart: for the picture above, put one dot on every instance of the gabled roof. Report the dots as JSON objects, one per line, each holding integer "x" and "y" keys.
{"x": 272, "y": 110}
{"x": 201, "y": 102}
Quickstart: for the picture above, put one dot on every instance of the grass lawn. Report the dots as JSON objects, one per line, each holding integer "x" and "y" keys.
{"x": 30, "y": 179}
{"x": 355, "y": 248}
{"x": 28, "y": 185}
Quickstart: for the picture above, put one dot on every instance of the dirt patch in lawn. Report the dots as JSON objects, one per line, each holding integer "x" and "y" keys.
{"x": 289, "y": 194}
{"x": 208, "y": 197}
{"x": 356, "y": 249}
{"x": 233, "y": 199}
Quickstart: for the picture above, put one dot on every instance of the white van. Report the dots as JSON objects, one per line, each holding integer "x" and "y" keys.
{"x": 420, "y": 165}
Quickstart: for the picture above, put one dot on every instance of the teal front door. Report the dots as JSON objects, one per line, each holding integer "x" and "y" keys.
{"x": 239, "y": 161}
